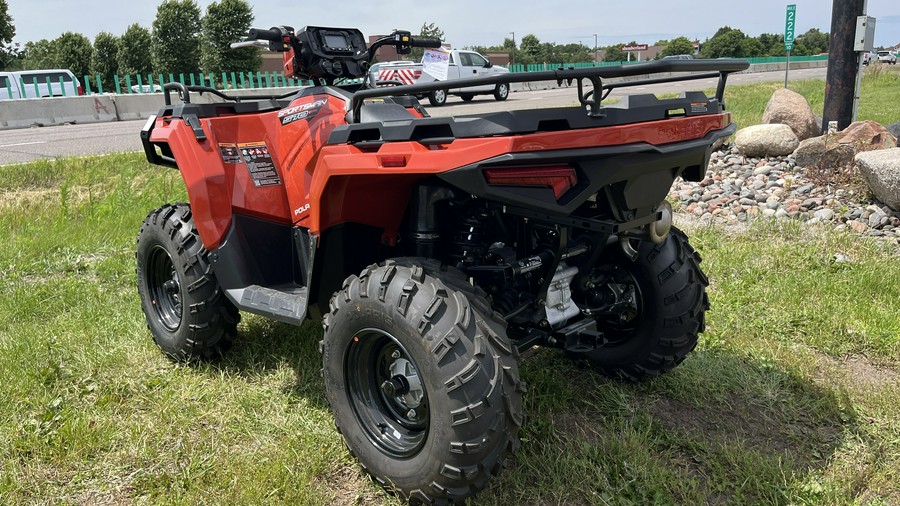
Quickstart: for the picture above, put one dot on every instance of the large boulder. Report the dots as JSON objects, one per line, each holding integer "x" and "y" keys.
{"x": 881, "y": 169}
{"x": 823, "y": 152}
{"x": 835, "y": 151}
{"x": 792, "y": 109}
{"x": 758, "y": 141}
{"x": 894, "y": 129}
{"x": 866, "y": 136}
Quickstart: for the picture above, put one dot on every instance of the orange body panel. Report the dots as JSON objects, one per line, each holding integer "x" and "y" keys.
{"x": 323, "y": 185}
{"x": 218, "y": 188}
{"x": 377, "y": 195}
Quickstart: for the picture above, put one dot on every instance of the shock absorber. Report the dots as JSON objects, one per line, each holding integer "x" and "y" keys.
{"x": 468, "y": 240}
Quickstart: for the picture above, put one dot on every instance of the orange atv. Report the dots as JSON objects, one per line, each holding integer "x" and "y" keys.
{"x": 434, "y": 250}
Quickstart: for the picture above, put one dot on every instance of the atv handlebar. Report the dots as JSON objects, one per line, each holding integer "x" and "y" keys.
{"x": 432, "y": 42}
{"x": 272, "y": 34}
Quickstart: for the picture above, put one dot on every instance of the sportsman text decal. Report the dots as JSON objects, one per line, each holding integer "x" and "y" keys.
{"x": 298, "y": 112}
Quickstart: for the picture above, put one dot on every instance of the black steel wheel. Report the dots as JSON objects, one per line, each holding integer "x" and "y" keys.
{"x": 658, "y": 303}
{"x": 386, "y": 393}
{"x": 186, "y": 311}
{"x": 422, "y": 379}
{"x": 501, "y": 92}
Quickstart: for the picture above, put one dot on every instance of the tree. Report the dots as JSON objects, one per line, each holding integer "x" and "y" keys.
{"x": 133, "y": 56}
{"x": 570, "y": 53}
{"x": 73, "y": 52}
{"x": 226, "y": 22}
{"x": 175, "y": 45}
{"x": 7, "y": 32}
{"x": 38, "y": 55}
{"x": 529, "y": 50}
{"x": 615, "y": 53}
{"x": 727, "y": 42}
{"x": 104, "y": 59}
{"x": 812, "y": 42}
{"x": 428, "y": 30}
{"x": 678, "y": 45}
{"x": 772, "y": 44}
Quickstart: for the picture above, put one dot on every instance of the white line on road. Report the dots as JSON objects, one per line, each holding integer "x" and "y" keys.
{"x": 22, "y": 144}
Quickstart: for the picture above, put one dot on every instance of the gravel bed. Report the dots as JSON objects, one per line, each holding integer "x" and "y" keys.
{"x": 737, "y": 189}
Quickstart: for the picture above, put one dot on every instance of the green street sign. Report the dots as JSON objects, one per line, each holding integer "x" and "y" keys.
{"x": 790, "y": 26}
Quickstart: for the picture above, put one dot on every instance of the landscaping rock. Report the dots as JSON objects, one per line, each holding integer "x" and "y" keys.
{"x": 735, "y": 190}
{"x": 894, "y": 129}
{"x": 766, "y": 140}
{"x": 866, "y": 136}
{"x": 824, "y": 152}
{"x": 792, "y": 109}
{"x": 881, "y": 169}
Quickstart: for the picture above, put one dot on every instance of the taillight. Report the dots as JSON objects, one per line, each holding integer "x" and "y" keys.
{"x": 80, "y": 89}
{"x": 559, "y": 179}
{"x": 393, "y": 161}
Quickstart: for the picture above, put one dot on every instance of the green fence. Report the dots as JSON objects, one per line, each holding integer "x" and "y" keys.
{"x": 152, "y": 83}
{"x": 538, "y": 67}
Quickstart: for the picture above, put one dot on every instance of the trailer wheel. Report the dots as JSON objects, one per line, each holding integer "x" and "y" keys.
{"x": 662, "y": 302}
{"x": 422, "y": 379}
{"x": 501, "y": 92}
{"x": 437, "y": 98}
{"x": 186, "y": 311}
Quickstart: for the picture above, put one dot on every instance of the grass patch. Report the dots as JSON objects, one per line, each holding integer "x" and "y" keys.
{"x": 791, "y": 397}
{"x": 878, "y": 97}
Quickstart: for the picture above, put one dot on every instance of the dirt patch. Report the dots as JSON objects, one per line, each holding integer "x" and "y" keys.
{"x": 351, "y": 487}
{"x": 753, "y": 427}
{"x": 855, "y": 372}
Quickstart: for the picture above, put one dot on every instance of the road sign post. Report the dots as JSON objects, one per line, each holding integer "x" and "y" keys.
{"x": 790, "y": 26}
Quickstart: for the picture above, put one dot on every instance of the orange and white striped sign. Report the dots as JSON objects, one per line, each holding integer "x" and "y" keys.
{"x": 406, "y": 76}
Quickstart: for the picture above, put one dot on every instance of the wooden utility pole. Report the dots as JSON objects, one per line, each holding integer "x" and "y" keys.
{"x": 842, "y": 63}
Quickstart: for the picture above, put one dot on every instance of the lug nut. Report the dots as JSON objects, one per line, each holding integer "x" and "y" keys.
{"x": 389, "y": 388}
{"x": 395, "y": 355}
{"x": 411, "y": 414}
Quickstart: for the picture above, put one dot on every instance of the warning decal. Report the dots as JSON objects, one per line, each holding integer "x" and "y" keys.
{"x": 259, "y": 163}
{"x": 230, "y": 154}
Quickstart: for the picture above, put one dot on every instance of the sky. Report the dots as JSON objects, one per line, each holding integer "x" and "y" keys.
{"x": 470, "y": 22}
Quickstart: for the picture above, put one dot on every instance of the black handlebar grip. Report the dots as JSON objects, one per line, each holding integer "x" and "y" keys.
{"x": 425, "y": 42}
{"x": 272, "y": 34}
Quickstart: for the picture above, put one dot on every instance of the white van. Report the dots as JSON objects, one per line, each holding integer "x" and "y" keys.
{"x": 33, "y": 84}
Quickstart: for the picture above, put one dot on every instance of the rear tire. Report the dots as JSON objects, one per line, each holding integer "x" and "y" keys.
{"x": 501, "y": 92}
{"x": 422, "y": 379}
{"x": 186, "y": 311}
{"x": 671, "y": 301}
{"x": 437, "y": 98}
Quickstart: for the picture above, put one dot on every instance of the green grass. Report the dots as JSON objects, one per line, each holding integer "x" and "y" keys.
{"x": 878, "y": 97}
{"x": 791, "y": 397}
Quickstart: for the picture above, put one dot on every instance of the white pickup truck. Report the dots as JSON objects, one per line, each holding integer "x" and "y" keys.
{"x": 463, "y": 65}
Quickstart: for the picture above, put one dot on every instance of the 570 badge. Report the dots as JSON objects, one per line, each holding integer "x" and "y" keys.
{"x": 298, "y": 112}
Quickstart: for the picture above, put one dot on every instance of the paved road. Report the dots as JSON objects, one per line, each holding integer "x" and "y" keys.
{"x": 18, "y": 146}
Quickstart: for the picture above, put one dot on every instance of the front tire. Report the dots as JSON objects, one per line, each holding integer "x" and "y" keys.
{"x": 422, "y": 379}
{"x": 186, "y": 311}
{"x": 668, "y": 293}
{"x": 437, "y": 98}
{"x": 501, "y": 92}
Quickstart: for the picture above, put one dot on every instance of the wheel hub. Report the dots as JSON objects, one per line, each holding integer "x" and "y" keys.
{"x": 164, "y": 287}
{"x": 386, "y": 393}
{"x": 406, "y": 375}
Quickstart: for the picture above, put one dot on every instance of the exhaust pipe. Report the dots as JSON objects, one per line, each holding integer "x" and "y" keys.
{"x": 659, "y": 230}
